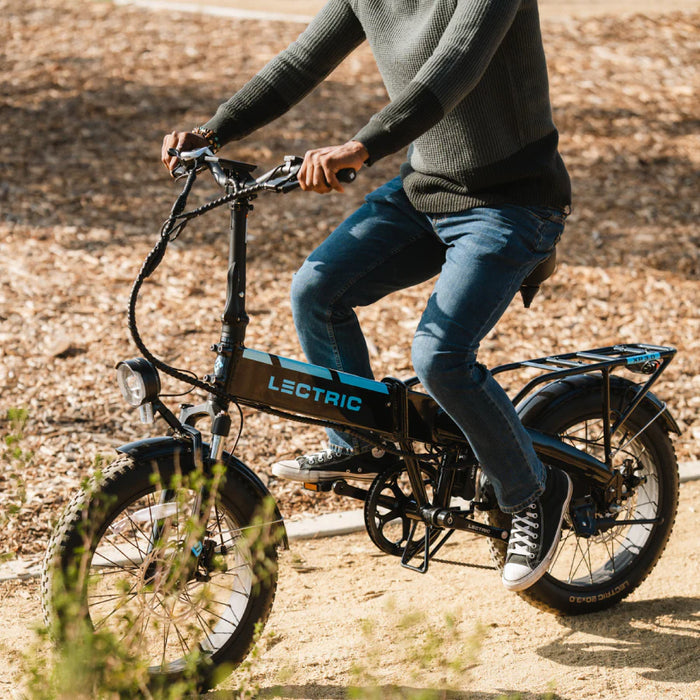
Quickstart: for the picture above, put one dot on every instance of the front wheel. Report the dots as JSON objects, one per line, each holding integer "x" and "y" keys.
{"x": 594, "y": 572}
{"x": 179, "y": 572}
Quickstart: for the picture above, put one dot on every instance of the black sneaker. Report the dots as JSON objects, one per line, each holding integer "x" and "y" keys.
{"x": 535, "y": 533}
{"x": 335, "y": 463}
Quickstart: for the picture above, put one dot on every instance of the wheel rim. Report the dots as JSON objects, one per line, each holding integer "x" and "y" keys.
{"x": 148, "y": 594}
{"x": 582, "y": 562}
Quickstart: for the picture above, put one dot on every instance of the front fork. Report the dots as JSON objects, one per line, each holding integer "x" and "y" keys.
{"x": 204, "y": 501}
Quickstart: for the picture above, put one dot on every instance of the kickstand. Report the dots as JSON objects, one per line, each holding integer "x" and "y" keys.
{"x": 413, "y": 549}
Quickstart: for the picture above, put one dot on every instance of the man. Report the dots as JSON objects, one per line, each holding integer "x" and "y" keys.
{"x": 480, "y": 201}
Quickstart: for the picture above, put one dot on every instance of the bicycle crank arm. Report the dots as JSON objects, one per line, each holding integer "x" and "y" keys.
{"x": 340, "y": 487}
{"x": 457, "y": 521}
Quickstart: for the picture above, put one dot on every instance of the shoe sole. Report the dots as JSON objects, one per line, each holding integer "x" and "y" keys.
{"x": 536, "y": 574}
{"x": 314, "y": 476}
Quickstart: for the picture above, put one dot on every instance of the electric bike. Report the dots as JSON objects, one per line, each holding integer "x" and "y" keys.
{"x": 173, "y": 547}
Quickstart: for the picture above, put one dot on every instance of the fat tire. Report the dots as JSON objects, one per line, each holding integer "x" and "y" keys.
{"x": 563, "y": 404}
{"x": 99, "y": 502}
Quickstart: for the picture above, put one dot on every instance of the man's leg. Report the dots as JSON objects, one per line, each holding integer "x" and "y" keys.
{"x": 491, "y": 250}
{"x": 384, "y": 246}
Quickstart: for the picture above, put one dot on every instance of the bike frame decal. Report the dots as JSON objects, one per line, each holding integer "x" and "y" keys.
{"x": 261, "y": 378}
{"x": 316, "y": 371}
{"x": 257, "y": 356}
{"x": 314, "y": 393}
{"x": 638, "y": 359}
{"x": 312, "y": 390}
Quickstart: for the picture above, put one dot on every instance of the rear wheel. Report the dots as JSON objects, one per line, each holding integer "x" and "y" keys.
{"x": 132, "y": 559}
{"x": 594, "y": 572}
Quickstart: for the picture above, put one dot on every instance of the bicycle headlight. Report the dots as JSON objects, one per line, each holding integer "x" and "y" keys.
{"x": 138, "y": 381}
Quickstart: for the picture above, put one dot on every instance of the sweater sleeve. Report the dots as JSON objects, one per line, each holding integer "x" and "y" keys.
{"x": 285, "y": 80}
{"x": 455, "y": 67}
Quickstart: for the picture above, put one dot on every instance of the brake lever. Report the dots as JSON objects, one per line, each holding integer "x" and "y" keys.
{"x": 189, "y": 160}
{"x": 193, "y": 155}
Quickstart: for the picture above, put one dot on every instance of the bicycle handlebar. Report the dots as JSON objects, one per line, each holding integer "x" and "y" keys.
{"x": 281, "y": 178}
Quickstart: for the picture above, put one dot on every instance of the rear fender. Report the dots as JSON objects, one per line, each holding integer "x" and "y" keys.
{"x": 650, "y": 405}
{"x": 168, "y": 450}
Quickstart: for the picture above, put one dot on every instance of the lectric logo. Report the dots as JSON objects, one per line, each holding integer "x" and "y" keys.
{"x": 316, "y": 394}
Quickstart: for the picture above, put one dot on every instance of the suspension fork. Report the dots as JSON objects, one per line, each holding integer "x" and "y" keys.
{"x": 203, "y": 503}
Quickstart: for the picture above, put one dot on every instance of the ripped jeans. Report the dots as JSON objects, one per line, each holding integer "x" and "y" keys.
{"x": 480, "y": 257}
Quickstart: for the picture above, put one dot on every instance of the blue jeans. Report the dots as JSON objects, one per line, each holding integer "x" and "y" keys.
{"x": 481, "y": 256}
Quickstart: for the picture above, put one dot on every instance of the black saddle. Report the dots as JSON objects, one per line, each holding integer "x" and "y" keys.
{"x": 531, "y": 284}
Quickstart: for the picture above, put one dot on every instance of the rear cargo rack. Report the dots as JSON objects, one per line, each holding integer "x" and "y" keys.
{"x": 641, "y": 358}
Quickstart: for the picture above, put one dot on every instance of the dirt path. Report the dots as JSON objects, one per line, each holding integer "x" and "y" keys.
{"x": 347, "y": 616}
{"x": 342, "y": 604}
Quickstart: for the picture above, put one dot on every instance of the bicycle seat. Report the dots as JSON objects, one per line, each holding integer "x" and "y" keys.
{"x": 531, "y": 284}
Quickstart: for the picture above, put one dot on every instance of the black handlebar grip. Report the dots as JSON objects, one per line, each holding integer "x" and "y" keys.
{"x": 346, "y": 175}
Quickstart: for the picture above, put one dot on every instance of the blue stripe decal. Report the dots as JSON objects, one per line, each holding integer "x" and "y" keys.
{"x": 362, "y": 383}
{"x": 636, "y": 359}
{"x": 316, "y": 371}
{"x": 313, "y": 370}
{"x": 257, "y": 356}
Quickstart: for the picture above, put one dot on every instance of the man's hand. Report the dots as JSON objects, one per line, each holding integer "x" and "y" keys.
{"x": 320, "y": 165}
{"x": 182, "y": 141}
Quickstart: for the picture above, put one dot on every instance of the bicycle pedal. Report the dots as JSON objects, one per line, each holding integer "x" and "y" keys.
{"x": 318, "y": 487}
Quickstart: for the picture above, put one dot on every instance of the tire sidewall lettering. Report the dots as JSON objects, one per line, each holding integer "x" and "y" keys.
{"x": 598, "y": 597}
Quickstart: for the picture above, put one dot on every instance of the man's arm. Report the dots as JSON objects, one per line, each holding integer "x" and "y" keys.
{"x": 283, "y": 82}
{"x": 463, "y": 53}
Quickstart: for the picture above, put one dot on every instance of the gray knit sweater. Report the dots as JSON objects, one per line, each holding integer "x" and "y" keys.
{"x": 468, "y": 90}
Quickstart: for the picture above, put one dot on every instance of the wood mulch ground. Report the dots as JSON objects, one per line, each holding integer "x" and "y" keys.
{"x": 88, "y": 91}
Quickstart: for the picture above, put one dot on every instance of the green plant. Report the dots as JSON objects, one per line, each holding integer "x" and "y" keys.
{"x": 438, "y": 645}
{"x": 15, "y": 460}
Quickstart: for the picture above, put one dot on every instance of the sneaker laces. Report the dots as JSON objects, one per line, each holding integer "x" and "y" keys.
{"x": 328, "y": 454}
{"x": 523, "y": 531}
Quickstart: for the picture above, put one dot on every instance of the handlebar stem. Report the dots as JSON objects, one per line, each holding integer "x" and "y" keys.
{"x": 234, "y": 318}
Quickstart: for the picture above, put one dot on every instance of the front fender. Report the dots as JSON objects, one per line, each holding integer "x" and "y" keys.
{"x": 166, "y": 450}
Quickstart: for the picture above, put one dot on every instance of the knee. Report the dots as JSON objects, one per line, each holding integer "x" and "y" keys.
{"x": 441, "y": 368}
{"x": 306, "y": 290}
{"x": 428, "y": 361}
{"x": 316, "y": 293}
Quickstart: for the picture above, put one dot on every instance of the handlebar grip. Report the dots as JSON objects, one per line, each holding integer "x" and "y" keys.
{"x": 346, "y": 175}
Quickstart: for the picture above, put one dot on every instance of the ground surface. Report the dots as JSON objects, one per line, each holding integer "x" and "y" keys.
{"x": 88, "y": 91}
{"x": 347, "y": 616}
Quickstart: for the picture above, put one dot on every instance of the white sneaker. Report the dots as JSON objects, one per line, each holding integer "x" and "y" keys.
{"x": 335, "y": 463}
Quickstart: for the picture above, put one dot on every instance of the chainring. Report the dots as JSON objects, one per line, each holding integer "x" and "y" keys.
{"x": 389, "y": 502}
